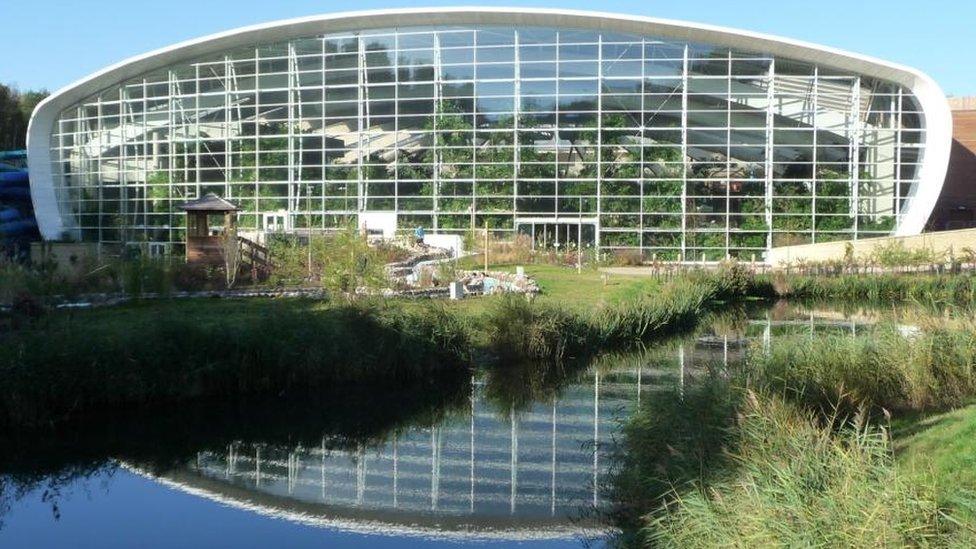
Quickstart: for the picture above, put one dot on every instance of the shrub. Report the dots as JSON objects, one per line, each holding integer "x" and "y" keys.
{"x": 519, "y": 328}
{"x": 517, "y": 251}
{"x": 627, "y": 258}
{"x": 342, "y": 261}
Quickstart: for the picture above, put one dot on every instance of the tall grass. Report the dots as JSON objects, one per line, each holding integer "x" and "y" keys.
{"x": 71, "y": 368}
{"x": 790, "y": 467}
{"x": 795, "y": 482}
{"x": 341, "y": 261}
{"x": 931, "y": 369}
{"x": 927, "y": 289}
{"x": 520, "y": 329}
{"x": 675, "y": 439}
{"x": 675, "y": 307}
{"x": 517, "y": 328}
{"x": 132, "y": 276}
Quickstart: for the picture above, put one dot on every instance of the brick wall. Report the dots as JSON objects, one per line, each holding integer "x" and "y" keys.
{"x": 956, "y": 208}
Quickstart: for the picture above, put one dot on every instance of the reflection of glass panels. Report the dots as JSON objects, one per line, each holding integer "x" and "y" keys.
{"x": 524, "y": 458}
{"x": 499, "y": 105}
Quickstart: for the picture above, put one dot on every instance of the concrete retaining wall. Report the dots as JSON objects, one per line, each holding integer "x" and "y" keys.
{"x": 68, "y": 257}
{"x": 828, "y": 251}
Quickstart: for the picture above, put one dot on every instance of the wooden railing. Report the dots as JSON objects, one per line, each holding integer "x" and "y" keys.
{"x": 255, "y": 257}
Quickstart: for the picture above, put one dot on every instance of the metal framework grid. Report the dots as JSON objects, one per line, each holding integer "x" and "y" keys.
{"x": 680, "y": 150}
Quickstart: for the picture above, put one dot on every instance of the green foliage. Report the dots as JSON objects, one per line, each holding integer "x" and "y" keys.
{"x": 519, "y": 329}
{"x": 342, "y": 261}
{"x": 927, "y": 289}
{"x": 675, "y": 307}
{"x": 676, "y": 438}
{"x": 15, "y": 112}
{"x": 795, "y": 469}
{"x": 895, "y": 254}
{"x": 797, "y": 483}
{"x": 933, "y": 369}
{"x": 169, "y": 354}
{"x": 140, "y": 274}
{"x": 133, "y": 276}
{"x": 942, "y": 448}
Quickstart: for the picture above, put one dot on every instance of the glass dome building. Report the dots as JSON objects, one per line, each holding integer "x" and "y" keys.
{"x": 628, "y": 133}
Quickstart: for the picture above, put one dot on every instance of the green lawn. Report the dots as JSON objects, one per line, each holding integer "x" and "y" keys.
{"x": 943, "y": 446}
{"x": 559, "y": 285}
{"x": 586, "y": 289}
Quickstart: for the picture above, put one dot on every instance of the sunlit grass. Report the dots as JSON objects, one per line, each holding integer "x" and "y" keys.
{"x": 941, "y": 448}
{"x": 794, "y": 481}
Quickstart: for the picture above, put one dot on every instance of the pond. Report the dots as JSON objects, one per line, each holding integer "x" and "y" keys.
{"x": 513, "y": 455}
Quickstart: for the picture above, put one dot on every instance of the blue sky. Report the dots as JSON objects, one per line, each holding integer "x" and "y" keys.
{"x": 52, "y": 43}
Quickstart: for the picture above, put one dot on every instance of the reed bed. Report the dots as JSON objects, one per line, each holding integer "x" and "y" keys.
{"x": 793, "y": 449}
{"x": 521, "y": 329}
{"x": 677, "y": 438}
{"x": 517, "y": 329}
{"x": 895, "y": 368}
{"x": 71, "y": 368}
{"x": 956, "y": 289}
{"x": 796, "y": 482}
{"x": 677, "y": 306}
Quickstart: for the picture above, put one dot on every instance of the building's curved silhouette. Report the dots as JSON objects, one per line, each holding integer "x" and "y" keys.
{"x": 630, "y": 133}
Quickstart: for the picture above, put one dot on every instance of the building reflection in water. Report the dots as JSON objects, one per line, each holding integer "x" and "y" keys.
{"x": 526, "y": 473}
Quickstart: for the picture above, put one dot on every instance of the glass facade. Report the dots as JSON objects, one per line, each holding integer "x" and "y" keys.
{"x": 679, "y": 150}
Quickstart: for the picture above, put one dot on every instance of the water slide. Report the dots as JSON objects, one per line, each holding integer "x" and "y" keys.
{"x": 14, "y": 193}
{"x": 15, "y": 178}
{"x": 16, "y": 217}
{"x": 18, "y": 228}
{"x": 8, "y": 214}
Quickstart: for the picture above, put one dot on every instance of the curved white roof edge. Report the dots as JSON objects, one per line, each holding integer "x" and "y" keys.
{"x": 372, "y": 526}
{"x": 937, "y": 116}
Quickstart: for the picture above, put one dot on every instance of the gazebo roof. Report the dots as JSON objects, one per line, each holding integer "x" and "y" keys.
{"x": 209, "y": 203}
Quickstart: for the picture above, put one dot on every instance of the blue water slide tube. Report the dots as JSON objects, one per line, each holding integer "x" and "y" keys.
{"x": 13, "y": 160}
{"x": 12, "y": 193}
{"x": 8, "y": 214}
{"x": 18, "y": 228}
{"x": 18, "y": 177}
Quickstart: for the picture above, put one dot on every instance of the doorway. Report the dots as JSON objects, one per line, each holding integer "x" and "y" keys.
{"x": 559, "y": 233}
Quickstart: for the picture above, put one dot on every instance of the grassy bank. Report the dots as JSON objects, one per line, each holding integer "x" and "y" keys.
{"x": 894, "y": 368}
{"x": 149, "y": 355}
{"x": 811, "y": 460}
{"x": 940, "y": 448}
{"x": 926, "y": 289}
{"x": 792, "y": 481}
{"x": 71, "y": 363}
{"x": 546, "y": 330}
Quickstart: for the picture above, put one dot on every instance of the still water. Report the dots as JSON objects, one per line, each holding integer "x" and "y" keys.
{"x": 514, "y": 456}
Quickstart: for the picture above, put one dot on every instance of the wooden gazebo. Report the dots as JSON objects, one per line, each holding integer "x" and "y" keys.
{"x": 204, "y": 245}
